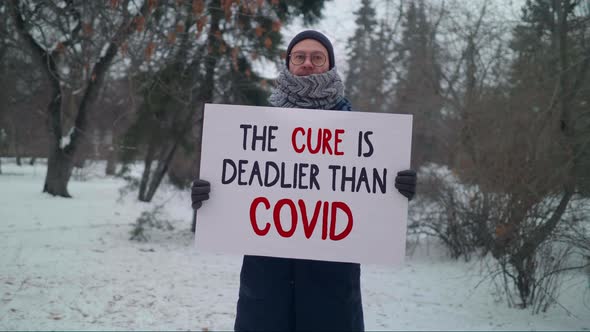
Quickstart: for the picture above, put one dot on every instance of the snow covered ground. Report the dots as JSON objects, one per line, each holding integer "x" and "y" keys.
{"x": 68, "y": 264}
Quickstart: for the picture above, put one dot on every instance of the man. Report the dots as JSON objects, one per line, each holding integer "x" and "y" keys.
{"x": 294, "y": 294}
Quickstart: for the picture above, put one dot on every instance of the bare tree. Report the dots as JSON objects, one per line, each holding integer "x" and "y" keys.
{"x": 75, "y": 60}
{"x": 519, "y": 147}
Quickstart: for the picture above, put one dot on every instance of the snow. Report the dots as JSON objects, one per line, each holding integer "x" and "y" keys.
{"x": 104, "y": 50}
{"x": 78, "y": 91}
{"x": 65, "y": 70}
{"x": 69, "y": 264}
{"x": 65, "y": 140}
{"x": 134, "y": 6}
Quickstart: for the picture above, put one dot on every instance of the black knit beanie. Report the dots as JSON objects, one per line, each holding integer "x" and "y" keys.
{"x": 315, "y": 35}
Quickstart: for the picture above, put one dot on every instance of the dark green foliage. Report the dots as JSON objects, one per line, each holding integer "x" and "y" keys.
{"x": 244, "y": 86}
{"x": 418, "y": 89}
{"x": 216, "y": 67}
{"x": 160, "y": 114}
{"x": 554, "y": 78}
{"x": 360, "y": 55}
{"x": 310, "y": 10}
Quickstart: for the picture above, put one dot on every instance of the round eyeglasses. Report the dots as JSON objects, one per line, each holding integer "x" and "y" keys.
{"x": 318, "y": 59}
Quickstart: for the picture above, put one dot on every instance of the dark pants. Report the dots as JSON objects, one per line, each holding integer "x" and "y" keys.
{"x": 298, "y": 295}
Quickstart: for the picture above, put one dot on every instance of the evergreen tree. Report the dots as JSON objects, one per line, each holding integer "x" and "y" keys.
{"x": 551, "y": 71}
{"x": 418, "y": 86}
{"x": 358, "y": 80}
{"x": 217, "y": 66}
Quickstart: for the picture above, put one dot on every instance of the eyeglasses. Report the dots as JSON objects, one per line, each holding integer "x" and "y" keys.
{"x": 318, "y": 59}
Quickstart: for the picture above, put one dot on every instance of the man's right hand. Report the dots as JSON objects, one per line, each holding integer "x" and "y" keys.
{"x": 199, "y": 193}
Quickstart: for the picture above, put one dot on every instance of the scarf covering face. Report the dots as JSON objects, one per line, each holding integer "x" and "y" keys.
{"x": 316, "y": 91}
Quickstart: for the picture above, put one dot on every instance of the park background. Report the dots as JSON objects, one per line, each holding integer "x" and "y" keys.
{"x": 101, "y": 112}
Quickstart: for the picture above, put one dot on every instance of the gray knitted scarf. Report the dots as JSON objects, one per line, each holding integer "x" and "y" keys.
{"x": 317, "y": 91}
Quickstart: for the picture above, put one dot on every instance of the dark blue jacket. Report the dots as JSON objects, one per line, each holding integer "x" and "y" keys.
{"x": 282, "y": 294}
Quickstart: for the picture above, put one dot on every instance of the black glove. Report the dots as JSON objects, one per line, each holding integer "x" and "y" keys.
{"x": 405, "y": 182}
{"x": 199, "y": 192}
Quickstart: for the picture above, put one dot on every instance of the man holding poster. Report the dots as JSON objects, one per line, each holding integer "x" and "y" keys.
{"x": 300, "y": 294}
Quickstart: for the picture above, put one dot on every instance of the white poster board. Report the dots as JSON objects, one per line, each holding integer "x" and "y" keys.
{"x": 274, "y": 193}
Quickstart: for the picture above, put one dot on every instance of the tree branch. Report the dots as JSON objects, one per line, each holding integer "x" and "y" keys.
{"x": 99, "y": 71}
{"x": 48, "y": 66}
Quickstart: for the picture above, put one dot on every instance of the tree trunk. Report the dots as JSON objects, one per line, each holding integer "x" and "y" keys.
{"x": 525, "y": 280}
{"x": 32, "y": 161}
{"x": 160, "y": 172}
{"x": 59, "y": 170}
{"x": 194, "y": 224}
{"x": 79, "y": 162}
{"x": 145, "y": 177}
{"x": 14, "y": 142}
{"x": 59, "y": 163}
{"x": 111, "y": 161}
{"x": 207, "y": 93}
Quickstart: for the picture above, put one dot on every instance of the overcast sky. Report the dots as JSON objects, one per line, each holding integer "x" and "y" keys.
{"x": 337, "y": 24}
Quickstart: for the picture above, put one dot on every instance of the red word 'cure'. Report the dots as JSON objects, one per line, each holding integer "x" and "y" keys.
{"x": 299, "y": 214}
{"x": 326, "y": 142}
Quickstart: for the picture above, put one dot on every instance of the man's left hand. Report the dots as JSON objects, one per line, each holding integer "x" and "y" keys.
{"x": 405, "y": 182}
